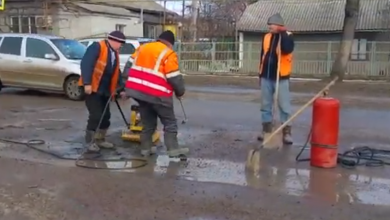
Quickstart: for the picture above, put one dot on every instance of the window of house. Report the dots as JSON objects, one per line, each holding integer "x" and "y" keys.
{"x": 150, "y": 31}
{"x": 127, "y": 49}
{"x": 11, "y": 45}
{"x": 23, "y": 24}
{"x": 36, "y": 48}
{"x": 359, "y": 49}
{"x": 120, "y": 27}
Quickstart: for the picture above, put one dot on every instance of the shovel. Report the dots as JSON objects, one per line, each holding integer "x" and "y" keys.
{"x": 253, "y": 159}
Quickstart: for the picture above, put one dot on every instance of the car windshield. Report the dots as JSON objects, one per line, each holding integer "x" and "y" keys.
{"x": 71, "y": 49}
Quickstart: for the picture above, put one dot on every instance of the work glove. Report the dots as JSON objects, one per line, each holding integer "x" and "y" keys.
{"x": 121, "y": 94}
{"x": 179, "y": 97}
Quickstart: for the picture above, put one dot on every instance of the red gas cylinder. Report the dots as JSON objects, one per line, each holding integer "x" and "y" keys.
{"x": 325, "y": 132}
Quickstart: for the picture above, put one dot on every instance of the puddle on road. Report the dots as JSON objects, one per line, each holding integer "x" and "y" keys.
{"x": 328, "y": 185}
{"x": 130, "y": 163}
{"x": 333, "y": 185}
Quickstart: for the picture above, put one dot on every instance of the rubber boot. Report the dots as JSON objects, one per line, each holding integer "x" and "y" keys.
{"x": 267, "y": 128}
{"x": 287, "y": 138}
{"x": 101, "y": 140}
{"x": 91, "y": 147}
{"x": 147, "y": 148}
{"x": 172, "y": 144}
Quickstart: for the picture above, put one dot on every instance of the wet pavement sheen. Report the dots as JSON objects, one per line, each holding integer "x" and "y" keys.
{"x": 219, "y": 133}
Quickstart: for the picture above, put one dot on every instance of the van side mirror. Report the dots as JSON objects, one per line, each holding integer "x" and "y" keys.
{"x": 50, "y": 56}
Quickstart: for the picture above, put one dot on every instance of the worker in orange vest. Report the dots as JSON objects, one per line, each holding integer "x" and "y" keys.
{"x": 101, "y": 78}
{"x": 154, "y": 78}
{"x": 278, "y": 40}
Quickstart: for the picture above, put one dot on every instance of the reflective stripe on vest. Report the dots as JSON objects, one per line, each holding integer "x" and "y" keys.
{"x": 150, "y": 81}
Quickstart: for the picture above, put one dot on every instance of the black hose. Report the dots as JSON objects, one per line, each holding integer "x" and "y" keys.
{"x": 79, "y": 162}
{"x": 83, "y": 162}
{"x": 358, "y": 156}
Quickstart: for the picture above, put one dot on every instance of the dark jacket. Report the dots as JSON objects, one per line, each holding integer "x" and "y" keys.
{"x": 87, "y": 66}
{"x": 270, "y": 62}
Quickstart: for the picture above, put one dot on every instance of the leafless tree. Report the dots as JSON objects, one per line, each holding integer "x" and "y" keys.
{"x": 217, "y": 18}
{"x": 350, "y": 21}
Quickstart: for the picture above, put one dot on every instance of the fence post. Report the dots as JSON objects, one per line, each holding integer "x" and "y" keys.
{"x": 179, "y": 45}
{"x": 372, "y": 59}
{"x": 329, "y": 58}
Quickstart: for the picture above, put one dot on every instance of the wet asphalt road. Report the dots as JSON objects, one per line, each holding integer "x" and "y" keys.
{"x": 212, "y": 185}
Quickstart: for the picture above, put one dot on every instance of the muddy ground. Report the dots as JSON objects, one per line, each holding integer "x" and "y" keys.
{"x": 213, "y": 184}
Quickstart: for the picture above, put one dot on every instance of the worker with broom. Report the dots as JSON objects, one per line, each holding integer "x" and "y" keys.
{"x": 100, "y": 77}
{"x": 154, "y": 78}
{"x": 276, "y": 58}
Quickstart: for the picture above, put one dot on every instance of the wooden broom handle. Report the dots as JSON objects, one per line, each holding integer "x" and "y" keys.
{"x": 300, "y": 110}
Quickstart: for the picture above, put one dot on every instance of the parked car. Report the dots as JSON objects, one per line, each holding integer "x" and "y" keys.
{"x": 41, "y": 62}
{"x": 126, "y": 50}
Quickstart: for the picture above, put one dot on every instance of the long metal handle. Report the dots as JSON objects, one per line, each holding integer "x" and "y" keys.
{"x": 182, "y": 108}
{"x": 122, "y": 114}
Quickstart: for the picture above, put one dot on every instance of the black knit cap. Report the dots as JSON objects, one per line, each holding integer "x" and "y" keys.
{"x": 167, "y": 36}
{"x": 117, "y": 36}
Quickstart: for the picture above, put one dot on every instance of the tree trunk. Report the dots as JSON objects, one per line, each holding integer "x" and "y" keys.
{"x": 350, "y": 21}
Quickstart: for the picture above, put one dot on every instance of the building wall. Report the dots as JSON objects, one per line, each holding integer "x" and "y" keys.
{"x": 84, "y": 25}
{"x": 70, "y": 24}
{"x": 18, "y": 9}
{"x": 315, "y": 53}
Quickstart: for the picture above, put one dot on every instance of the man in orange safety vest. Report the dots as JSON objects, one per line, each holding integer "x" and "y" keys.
{"x": 276, "y": 59}
{"x": 154, "y": 78}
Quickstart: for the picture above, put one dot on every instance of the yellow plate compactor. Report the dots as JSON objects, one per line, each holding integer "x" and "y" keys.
{"x": 132, "y": 133}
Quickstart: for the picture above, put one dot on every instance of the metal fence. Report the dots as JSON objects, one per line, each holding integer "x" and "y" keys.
{"x": 311, "y": 59}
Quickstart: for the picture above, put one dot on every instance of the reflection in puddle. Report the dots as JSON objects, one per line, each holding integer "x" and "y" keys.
{"x": 112, "y": 165}
{"x": 332, "y": 185}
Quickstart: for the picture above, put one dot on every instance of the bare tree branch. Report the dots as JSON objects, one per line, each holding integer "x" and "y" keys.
{"x": 350, "y": 21}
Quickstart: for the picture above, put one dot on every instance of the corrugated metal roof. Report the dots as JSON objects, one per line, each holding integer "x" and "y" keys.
{"x": 314, "y": 15}
{"x": 135, "y": 4}
{"x": 105, "y": 9}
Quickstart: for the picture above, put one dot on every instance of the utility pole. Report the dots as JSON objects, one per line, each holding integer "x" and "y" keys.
{"x": 194, "y": 19}
{"x": 183, "y": 10}
{"x": 165, "y": 14}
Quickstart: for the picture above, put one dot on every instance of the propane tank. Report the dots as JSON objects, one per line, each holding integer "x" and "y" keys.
{"x": 325, "y": 132}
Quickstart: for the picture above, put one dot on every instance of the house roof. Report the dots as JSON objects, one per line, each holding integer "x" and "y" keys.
{"x": 104, "y": 9}
{"x": 314, "y": 15}
{"x": 147, "y": 5}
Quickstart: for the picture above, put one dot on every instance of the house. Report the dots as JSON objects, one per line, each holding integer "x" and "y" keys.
{"x": 83, "y": 19}
{"x": 317, "y": 27}
{"x": 71, "y": 20}
{"x": 155, "y": 17}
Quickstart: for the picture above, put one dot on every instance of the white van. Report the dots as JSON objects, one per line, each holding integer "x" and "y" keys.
{"x": 124, "y": 53}
{"x": 42, "y": 62}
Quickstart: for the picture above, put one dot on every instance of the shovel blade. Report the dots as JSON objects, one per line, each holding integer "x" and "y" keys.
{"x": 253, "y": 161}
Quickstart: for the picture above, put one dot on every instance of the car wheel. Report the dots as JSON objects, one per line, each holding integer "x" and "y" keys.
{"x": 72, "y": 90}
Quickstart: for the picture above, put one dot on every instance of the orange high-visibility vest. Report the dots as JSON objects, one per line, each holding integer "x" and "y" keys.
{"x": 100, "y": 66}
{"x": 285, "y": 59}
{"x": 153, "y": 64}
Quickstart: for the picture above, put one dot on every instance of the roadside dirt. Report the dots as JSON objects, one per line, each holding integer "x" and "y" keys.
{"x": 375, "y": 89}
